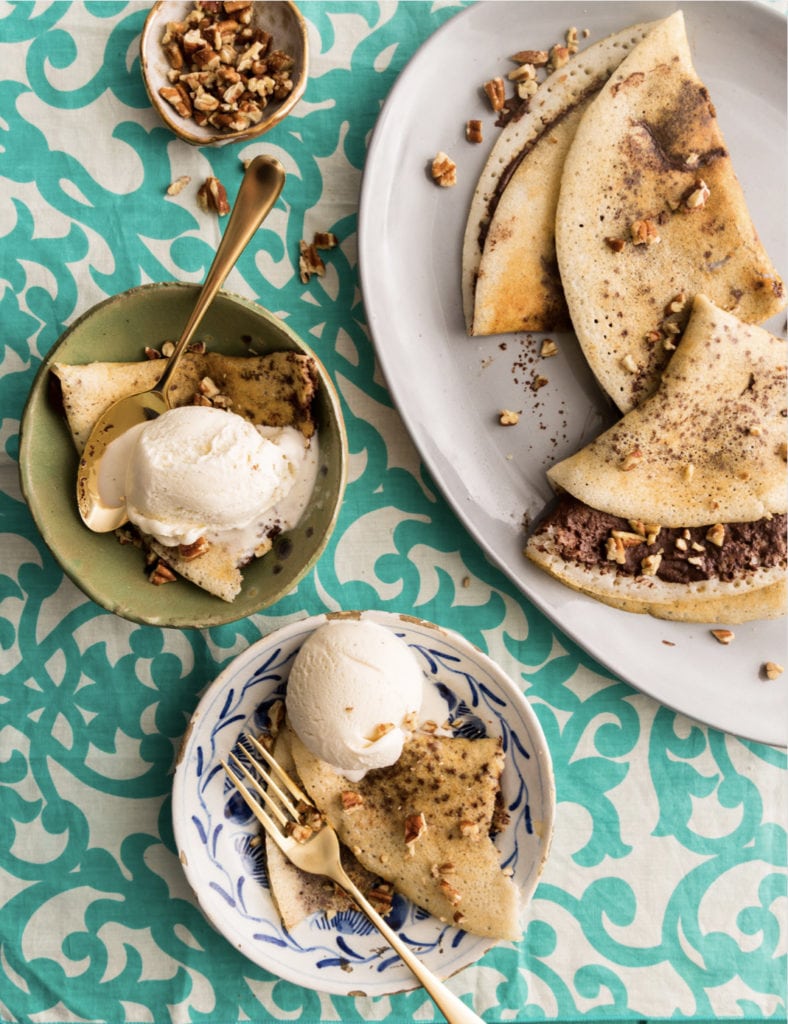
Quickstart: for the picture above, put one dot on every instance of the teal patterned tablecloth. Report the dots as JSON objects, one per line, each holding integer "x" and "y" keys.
{"x": 665, "y": 893}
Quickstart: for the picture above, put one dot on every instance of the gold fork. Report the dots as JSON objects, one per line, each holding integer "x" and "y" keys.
{"x": 318, "y": 854}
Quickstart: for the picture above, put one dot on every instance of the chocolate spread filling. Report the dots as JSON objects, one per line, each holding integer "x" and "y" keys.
{"x": 687, "y": 554}
{"x": 506, "y": 175}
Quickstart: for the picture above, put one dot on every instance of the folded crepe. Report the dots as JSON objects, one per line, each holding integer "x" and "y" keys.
{"x": 651, "y": 213}
{"x": 447, "y": 864}
{"x": 296, "y": 893}
{"x": 678, "y": 510}
{"x": 510, "y": 279}
{"x": 277, "y": 390}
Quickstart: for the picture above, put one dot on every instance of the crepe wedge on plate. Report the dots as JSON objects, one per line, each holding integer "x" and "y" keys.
{"x": 650, "y": 213}
{"x": 678, "y": 510}
{"x": 424, "y": 826}
{"x": 510, "y": 279}
{"x": 276, "y": 390}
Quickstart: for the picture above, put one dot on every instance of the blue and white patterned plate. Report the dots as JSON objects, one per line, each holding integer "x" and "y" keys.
{"x": 226, "y": 870}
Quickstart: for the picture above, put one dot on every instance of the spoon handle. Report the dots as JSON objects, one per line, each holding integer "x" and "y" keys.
{"x": 259, "y": 190}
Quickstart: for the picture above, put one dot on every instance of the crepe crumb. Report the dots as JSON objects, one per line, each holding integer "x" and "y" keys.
{"x": 508, "y": 418}
{"x": 772, "y": 670}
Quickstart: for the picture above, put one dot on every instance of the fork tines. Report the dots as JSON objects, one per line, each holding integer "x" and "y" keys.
{"x": 270, "y": 786}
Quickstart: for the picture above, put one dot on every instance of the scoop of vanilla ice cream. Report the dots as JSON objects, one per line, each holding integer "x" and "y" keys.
{"x": 354, "y": 692}
{"x": 198, "y": 470}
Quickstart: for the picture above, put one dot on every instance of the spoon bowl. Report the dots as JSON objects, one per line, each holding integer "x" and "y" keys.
{"x": 259, "y": 190}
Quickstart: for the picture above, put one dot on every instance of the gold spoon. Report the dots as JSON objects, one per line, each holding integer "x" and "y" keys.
{"x": 259, "y": 190}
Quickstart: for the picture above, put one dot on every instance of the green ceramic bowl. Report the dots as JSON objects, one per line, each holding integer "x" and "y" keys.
{"x": 112, "y": 574}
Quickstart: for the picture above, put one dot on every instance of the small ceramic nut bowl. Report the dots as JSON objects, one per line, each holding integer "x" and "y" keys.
{"x": 212, "y": 74}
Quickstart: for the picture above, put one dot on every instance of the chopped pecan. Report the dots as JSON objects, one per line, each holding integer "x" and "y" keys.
{"x": 526, "y": 87}
{"x": 212, "y": 195}
{"x": 495, "y": 91}
{"x": 381, "y": 896}
{"x": 644, "y": 232}
{"x": 178, "y": 185}
{"x": 650, "y": 564}
{"x": 548, "y": 348}
{"x": 415, "y": 827}
{"x": 508, "y": 418}
{"x": 381, "y": 729}
{"x": 444, "y": 170}
{"x": 309, "y": 261}
{"x": 470, "y": 829}
{"x": 223, "y": 69}
{"x": 208, "y": 387}
{"x": 615, "y": 550}
{"x": 178, "y": 99}
{"x": 453, "y": 895}
{"x": 676, "y": 304}
{"x": 723, "y": 636}
{"x": 189, "y": 552}
{"x": 628, "y": 539}
{"x": 473, "y": 131}
{"x": 325, "y": 240}
{"x": 298, "y": 831}
{"x": 771, "y": 669}
{"x": 632, "y": 460}
{"x": 523, "y": 72}
{"x": 536, "y": 57}
{"x": 161, "y": 574}
{"x": 559, "y": 56}
{"x": 697, "y": 195}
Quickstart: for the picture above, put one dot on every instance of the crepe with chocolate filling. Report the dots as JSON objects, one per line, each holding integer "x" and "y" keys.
{"x": 651, "y": 213}
{"x": 424, "y": 824}
{"x": 277, "y": 390}
{"x": 510, "y": 277}
{"x": 678, "y": 510}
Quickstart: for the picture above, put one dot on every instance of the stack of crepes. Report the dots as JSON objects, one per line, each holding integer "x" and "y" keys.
{"x": 612, "y": 207}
